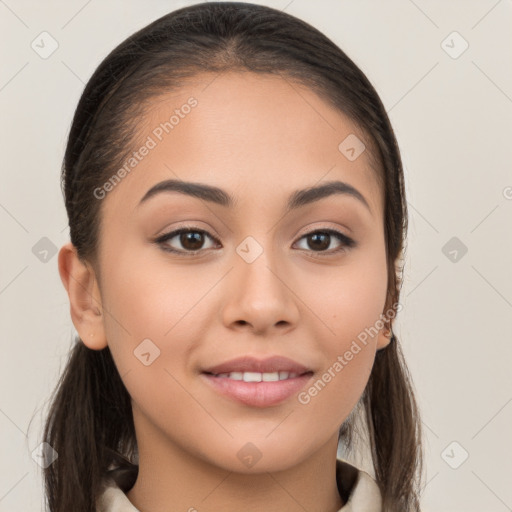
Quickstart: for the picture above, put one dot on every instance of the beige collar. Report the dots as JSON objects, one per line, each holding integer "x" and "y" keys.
{"x": 356, "y": 487}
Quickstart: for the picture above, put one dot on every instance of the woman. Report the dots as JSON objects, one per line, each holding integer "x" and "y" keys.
{"x": 237, "y": 215}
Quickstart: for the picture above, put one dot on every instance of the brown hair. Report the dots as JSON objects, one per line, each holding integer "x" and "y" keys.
{"x": 90, "y": 422}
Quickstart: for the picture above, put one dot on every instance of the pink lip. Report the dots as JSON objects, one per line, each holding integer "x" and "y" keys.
{"x": 251, "y": 364}
{"x": 257, "y": 394}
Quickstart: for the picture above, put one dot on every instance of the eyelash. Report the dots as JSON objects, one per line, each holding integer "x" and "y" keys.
{"x": 346, "y": 242}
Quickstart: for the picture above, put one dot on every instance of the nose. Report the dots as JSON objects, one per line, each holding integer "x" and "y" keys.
{"x": 259, "y": 296}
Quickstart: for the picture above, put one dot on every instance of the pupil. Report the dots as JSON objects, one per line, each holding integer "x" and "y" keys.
{"x": 325, "y": 243}
{"x": 188, "y": 239}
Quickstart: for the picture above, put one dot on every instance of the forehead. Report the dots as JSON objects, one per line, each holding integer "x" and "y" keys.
{"x": 245, "y": 132}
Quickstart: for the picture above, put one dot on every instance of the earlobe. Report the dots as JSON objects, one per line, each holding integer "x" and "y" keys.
{"x": 81, "y": 284}
{"x": 384, "y": 338}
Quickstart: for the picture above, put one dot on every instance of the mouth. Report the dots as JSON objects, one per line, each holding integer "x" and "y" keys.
{"x": 258, "y": 383}
{"x": 250, "y": 388}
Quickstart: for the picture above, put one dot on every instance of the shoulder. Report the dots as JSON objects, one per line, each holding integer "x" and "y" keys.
{"x": 357, "y": 488}
{"x": 113, "y": 494}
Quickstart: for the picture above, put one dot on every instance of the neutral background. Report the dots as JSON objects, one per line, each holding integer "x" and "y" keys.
{"x": 452, "y": 112}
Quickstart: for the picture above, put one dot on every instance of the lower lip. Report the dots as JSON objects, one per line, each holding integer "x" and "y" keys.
{"x": 258, "y": 394}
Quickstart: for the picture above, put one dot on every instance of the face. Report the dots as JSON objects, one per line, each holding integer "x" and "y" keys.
{"x": 251, "y": 277}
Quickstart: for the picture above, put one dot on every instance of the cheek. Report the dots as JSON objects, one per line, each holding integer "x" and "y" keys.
{"x": 146, "y": 294}
{"x": 144, "y": 301}
{"x": 333, "y": 394}
{"x": 147, "y": 328}
{"x": 351, "y": 299}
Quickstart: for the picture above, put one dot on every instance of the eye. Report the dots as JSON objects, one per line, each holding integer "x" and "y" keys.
{"x": 190, "y": 238}
{"x": 321, "y": 239}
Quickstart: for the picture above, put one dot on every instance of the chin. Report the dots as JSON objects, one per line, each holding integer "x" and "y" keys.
{"x": 252, "y": 457}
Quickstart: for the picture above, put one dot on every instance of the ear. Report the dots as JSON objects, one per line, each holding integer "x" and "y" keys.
{"x": 383, "y": 338}
{"x": 80, "y": 282}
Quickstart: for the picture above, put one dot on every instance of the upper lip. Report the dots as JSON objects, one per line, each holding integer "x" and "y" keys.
{"x": 252, "y": 364}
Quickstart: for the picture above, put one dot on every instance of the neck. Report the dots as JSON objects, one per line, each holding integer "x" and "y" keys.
{"x": 172, "y": 478}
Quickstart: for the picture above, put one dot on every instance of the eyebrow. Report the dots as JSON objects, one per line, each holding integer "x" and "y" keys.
{"x": 218, "y": 196}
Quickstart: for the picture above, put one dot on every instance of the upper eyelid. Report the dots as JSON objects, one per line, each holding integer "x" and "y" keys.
{"x": 203, "y": 230}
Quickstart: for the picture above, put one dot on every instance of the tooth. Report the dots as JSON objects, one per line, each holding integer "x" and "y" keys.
{"x": 258, "y": 376}
{"x": 252, "y": 377}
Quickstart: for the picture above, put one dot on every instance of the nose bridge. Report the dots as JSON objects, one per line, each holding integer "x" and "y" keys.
{"x": 255, "y": 267}
{"x": 259, "y": 294}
